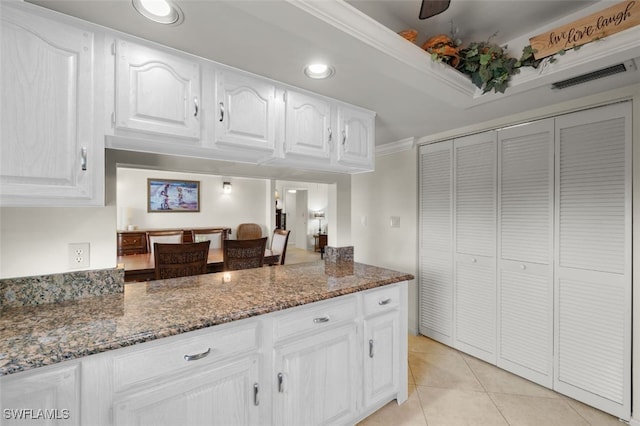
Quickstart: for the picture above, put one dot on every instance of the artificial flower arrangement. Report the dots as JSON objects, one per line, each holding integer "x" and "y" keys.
{"x": 487, "y": 64}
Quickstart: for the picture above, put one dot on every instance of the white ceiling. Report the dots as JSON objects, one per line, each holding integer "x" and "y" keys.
{"x": 376, "y": 68}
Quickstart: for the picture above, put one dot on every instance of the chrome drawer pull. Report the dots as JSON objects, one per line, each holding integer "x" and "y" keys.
{"x": 280, "y": 380}
{"x": 195, "y": 104}
{"x": 221, "y": 112}
{"x": 321, "y": 320}
{"x": 385, "y": 301}
{"x": 370, "y": 348}
{"x": 83, "y": 159}
{"x": 256, "y": 400}
{"x": 197, "y": 356}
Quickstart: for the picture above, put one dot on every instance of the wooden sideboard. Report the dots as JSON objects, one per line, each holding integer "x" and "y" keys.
{"x": 320, "y": 241}
{"x": 135, "y": 242}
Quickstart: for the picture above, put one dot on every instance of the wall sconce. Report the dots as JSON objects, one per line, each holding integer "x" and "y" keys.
{"x": 226, "y": 187}
{"x": 319, "y": 215}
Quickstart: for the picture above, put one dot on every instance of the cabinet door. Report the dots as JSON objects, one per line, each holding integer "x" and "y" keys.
{"x": 317, "y": 379}
{"x": 156, "y": 92}
{"x": 525, "y": 251}
{"x": 593, "y": 257}
{"x": 222, "y": 394}
{"x": 381, "y": 358}
{"x": 475, "y": 161}
{"x": 307, "y": 126}
{"x": 436, "y": 241}
{"x": 246, "y": 112}
{"x": 50, "y": 397}
{"x": 355, "y": 140}
{"x": 49, "y": 152}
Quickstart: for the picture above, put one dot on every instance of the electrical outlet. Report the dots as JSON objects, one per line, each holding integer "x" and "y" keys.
{"x": 79, "y": 256}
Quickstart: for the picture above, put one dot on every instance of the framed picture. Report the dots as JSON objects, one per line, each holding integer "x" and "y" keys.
{"x": 173, "y": 196}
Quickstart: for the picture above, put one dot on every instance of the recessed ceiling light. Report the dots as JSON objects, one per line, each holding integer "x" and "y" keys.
{"x": 161, "y": 11}
{"x": 319, "y": 71}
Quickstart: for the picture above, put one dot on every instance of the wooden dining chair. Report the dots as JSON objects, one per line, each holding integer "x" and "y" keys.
{"x": 248, "y": 231}
{"x": 216, "y": 236}
{"x": 243, "y": 254}
{"x": 164, "y": 237}
{"x": 180, "y": 260}
{"x": 279, "y": 242}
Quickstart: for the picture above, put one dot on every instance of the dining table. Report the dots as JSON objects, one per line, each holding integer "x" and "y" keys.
{"x": 141, "y": 267}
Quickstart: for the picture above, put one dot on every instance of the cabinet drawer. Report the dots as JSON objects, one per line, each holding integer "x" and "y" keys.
{"x": 381, "y": 300}
{"x": 166, "y": 359}
{"x": 315, "y": 317}
{"x": 132, "y": 243}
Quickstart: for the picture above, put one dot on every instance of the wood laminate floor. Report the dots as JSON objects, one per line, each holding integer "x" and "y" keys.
{"x": 450, "y": 388}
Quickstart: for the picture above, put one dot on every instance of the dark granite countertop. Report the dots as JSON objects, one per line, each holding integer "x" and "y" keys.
{"x": 35, "y": 336}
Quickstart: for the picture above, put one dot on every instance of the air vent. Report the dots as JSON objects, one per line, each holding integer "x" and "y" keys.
{"x": 605, "y": 72}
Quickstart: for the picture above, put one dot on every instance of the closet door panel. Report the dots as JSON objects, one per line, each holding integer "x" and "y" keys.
{"x": 475, "y": 182}
{"x": 593, "y": 266}
{"x": 436, "y": 241}
{"x": 525, "y": 251}
{"x": 475, "y": 306}
{"x": 475, "y": 194}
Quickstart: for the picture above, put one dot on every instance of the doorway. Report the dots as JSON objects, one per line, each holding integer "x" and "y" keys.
{"x": 296, "y": 206}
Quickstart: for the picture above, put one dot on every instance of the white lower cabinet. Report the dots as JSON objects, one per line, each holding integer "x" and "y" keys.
{"x": 382, "y": 357}
{"x": 317, "y": 378}
{"x": 225, "y": 393}
{"x": 309, "y": 365}
{"x": 47, "y": 397}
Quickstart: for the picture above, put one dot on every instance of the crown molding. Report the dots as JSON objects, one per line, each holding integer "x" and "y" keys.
{"x": 395, "y": 147}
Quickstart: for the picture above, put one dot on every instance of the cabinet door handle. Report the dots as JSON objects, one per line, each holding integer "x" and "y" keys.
{"x": 256, "y": 389}
{"x": 344, "y": 137}
{"x": 197, "y": 356}
{"x": 321, "y": 319}
{"x": 385, "y": 301}
{"x": 280, "y": 384}
{"x": 330, "y": 134}
{"x": 195, "y": 104}
{"x": 221, "y": 111}
{"x": 83, "y": 158}
{"x": 370, "y": 348}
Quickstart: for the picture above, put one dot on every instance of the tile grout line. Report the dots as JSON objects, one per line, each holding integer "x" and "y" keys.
{"x": 485, "y": 389}
{"x": 415, "y": 385}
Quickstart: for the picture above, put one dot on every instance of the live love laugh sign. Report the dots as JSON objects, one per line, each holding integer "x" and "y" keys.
{"x": 598, "y": 25}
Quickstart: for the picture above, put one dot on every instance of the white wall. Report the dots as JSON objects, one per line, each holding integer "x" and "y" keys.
{"x": 35, "y": 240}
{"x": 244, "y": 203}
{"x": 389, "y": 191}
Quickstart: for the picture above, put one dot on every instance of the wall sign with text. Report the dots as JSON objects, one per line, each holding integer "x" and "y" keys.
{"x": 595, "y": 26}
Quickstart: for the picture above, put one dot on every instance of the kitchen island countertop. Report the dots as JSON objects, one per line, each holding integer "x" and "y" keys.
{"x": 35, "y": 336}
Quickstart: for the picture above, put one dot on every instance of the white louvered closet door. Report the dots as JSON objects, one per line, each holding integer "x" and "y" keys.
{"x": 436, "y": 241}
{"x": 525, "y": 251}
{"x": 474, "y": 304}
{"x": 593, "y": 261}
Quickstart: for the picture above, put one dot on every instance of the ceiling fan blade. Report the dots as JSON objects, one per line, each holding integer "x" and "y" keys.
{"x": 431, "y": 8}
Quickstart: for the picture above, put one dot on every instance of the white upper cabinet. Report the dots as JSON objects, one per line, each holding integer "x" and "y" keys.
{"x": 245, "y": 112}
{"x": 308, "y": 131}
{"x": 355, "y": 139}
{"x": 50, "y": 153}
{"x": 156, "y": 92}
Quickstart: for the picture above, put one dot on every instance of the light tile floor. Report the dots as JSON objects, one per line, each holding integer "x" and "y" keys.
{"x": 298, "y": 255}
{"x": 450, "y": 388}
